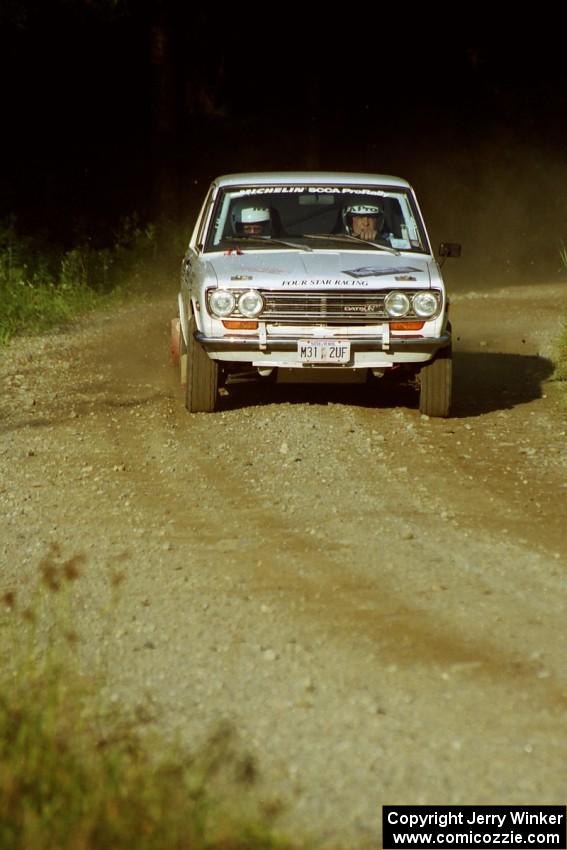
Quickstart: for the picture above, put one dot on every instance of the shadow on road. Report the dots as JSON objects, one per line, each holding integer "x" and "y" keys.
{"x": 483, "y": 382}
{"x": 486, "y": 381}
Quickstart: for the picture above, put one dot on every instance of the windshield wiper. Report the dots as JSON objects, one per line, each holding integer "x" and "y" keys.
{"x": 344, "y": 237}
{"x": 270, "y": 240}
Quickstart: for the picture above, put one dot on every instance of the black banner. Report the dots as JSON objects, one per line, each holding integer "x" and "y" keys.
{"x": 459, "y": 827}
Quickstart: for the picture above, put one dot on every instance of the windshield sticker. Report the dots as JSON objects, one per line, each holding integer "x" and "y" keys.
{"x": 319, "y": 190}
{"x": 348, "y": 190}
{"x": 274, "y": 190}
{"x": 380, "y": 271}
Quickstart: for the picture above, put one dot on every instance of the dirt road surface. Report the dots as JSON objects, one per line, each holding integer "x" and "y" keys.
{"x": 375, "y": 600}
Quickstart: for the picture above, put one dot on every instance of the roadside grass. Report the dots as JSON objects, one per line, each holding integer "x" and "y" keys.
{"x": 76, "y": 774}
{"x": 43, "y": 286}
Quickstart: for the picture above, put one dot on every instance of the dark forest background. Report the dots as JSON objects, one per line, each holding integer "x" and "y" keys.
{"x": 112, "y": 107}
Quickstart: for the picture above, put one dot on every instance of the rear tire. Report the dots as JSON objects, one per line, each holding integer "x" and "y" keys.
{"x": 436, "y": 385}
{"x": 201, "y": 393}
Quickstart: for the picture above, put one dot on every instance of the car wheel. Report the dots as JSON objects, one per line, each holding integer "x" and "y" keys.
{"x": 201, "y": 394}
{"x": 436, "y": 385}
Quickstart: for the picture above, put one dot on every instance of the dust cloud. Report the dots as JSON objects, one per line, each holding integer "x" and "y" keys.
{"x": 505, "y": 202}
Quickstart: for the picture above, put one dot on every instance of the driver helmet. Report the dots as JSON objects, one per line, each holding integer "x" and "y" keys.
{"x": 256, "y": 216}
{"x": 362, "y": 209}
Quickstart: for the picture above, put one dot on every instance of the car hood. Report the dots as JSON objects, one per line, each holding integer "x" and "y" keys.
{"x": 321, "y": 270}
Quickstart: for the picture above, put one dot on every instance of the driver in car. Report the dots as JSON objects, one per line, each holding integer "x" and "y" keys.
{"x": 366, "y": 221}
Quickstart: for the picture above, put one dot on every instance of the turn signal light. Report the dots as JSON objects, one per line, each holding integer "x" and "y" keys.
{"x": 241, "y": 326}
{"x": 406, "y": 326}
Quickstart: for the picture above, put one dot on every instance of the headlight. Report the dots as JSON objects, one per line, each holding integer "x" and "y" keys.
{"x": 424, "y": 304}
{"x": 397, "y": 304}
{"x": 251, "y": 304}
{"x": 221, "y": 302}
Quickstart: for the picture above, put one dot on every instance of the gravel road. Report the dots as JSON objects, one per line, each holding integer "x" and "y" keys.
{"x": 374, "y": 599}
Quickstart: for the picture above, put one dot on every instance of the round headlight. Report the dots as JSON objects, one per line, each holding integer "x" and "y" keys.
{"x": 424, "y": 304}
{"x": 251, "y": 304}
{"x": 397, "y": 304}
{"x": 222, "y": 302}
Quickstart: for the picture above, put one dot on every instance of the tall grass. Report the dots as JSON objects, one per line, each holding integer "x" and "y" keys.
{"x": 76, "y": 775}
{"x": 42, "y": 285}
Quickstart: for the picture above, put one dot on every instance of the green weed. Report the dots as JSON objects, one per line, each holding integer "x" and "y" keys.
{"x": 42, "y": 286}
{"x": 78, "y": 775}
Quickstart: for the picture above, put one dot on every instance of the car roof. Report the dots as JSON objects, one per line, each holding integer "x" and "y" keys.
{"x": 284, "y": 178}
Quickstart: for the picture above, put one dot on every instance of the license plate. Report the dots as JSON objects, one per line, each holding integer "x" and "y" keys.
{"x": 323, "y": 351}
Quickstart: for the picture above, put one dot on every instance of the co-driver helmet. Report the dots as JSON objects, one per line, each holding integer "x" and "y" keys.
{"x": 242, "y": 215}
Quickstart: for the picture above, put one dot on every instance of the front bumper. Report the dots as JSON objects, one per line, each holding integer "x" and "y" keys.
{"x": 253, "y": 344}
{"x": 366, "y": 351}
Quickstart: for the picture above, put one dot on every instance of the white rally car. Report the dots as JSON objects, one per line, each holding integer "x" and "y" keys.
{"x": 312, "y": 276}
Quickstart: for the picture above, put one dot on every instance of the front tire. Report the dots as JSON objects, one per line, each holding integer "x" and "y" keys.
{"x": 436, "y": 385}
{"x": 201, "y": 393}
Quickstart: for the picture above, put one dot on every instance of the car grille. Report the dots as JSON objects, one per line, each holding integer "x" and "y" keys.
{"x": 324, "y": 307}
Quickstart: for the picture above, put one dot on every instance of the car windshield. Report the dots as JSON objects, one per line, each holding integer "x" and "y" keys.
{"x": 315, "y": 217}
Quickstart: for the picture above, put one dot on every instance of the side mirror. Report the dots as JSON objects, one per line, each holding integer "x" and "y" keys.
{"x": 450, "y": 249}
